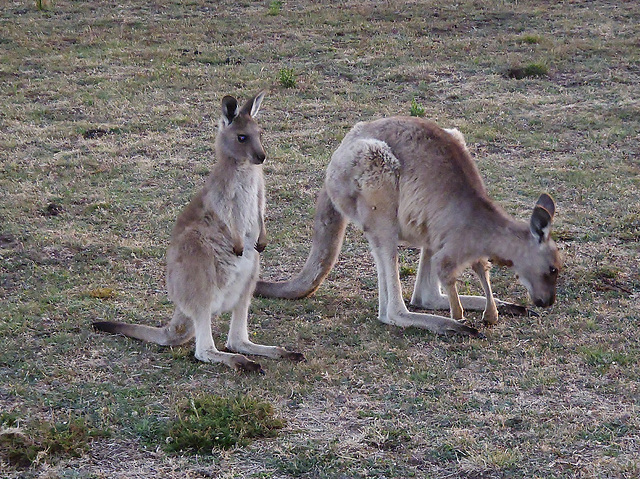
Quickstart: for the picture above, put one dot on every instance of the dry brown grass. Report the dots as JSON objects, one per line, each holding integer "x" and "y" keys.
{"x": 107, "y": 120}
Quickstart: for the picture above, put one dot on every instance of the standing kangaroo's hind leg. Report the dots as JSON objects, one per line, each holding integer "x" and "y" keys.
{"x": 206, "y": 350}
{"x": 238, "y": 337}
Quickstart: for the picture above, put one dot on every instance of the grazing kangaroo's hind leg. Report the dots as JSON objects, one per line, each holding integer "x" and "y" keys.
{"x": 362, "y": 183}
{"x": 394, "y": 310}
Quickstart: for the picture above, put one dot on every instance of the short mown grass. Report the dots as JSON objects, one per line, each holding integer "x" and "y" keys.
{"x": 106, "y": 131}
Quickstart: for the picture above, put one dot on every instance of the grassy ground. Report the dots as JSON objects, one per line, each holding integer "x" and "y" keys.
{"x": 106, "y": 124}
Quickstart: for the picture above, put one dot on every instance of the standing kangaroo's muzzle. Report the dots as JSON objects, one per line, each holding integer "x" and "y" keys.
{"x": 259, "y": 158}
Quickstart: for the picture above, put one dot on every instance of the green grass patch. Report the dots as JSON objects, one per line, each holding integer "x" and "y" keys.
{"x": 416, "y": 109}
{"x": 206, "y": 422}
{"x": 531, "y": 70}
{"x": 603, "y": 358}
{"x": 274, "y": 8}
{"x": 25, "y": 443}
{"x": 287, "y": 78}
{"x": 530, "y": 39}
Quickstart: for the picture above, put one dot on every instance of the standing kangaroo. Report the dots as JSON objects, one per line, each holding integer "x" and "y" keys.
{"x": 405, "y": 180}
{"x": 212, "y": 261}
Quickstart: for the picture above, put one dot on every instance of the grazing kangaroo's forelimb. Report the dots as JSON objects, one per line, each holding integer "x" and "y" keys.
{"x": 427, "y": 293}
{"x": 328, "y": 234}
{"x": 490, "y": 314}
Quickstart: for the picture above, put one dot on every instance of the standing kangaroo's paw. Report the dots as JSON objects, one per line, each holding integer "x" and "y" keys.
{"x": 260, "y": 246}
{"x": 238, "y": 250}
{"x": 515, "y": 310}
{"x": 243, "y": 364}
{"x": 293, "y": 356}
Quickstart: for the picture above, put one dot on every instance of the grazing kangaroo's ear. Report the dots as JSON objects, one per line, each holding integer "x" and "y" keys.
{"x": 546, "y": 202}
{"x": 251, "y": 107}
{"x": 540, "y": 224}
{"x": 229, "y": 110}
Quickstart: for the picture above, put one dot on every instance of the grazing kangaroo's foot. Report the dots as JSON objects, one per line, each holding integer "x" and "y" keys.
{"x": 431, "y": 322}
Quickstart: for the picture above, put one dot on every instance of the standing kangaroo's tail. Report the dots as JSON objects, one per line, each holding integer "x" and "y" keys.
{"x": 328, "y": 232}
{"x": 136, "y": 331}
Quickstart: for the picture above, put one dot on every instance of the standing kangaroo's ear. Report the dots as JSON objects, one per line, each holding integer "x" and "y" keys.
{"x": 229, "y": 110}
{"x": 251, "y": 107}
{"x": 541, "y": 218}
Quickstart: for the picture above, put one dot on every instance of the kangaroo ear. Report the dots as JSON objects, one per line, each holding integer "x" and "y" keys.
{"x": 229, "y": 110}
{"x": 545, "y": 201}
{"x": 540, "y": 224}
{"x": 251, "y": 107}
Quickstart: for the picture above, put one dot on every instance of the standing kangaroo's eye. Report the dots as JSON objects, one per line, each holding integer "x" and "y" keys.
{"x": 553, "y": 271}
{"x": 242, "y": 138}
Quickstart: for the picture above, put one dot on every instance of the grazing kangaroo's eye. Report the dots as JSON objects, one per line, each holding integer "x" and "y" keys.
{"x": 553, "y": 271}
{"x": 242, "y": 138}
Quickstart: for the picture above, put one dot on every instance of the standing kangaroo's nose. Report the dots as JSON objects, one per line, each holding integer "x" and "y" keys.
{"x": 259, "y": 158}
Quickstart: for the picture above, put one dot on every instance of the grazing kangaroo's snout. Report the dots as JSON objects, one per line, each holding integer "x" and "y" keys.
{"x": 545, "y": 302}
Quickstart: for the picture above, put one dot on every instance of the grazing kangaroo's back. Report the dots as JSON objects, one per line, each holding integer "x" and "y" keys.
{"x": 212, "y": 261}
{"x": 407, "y": 181}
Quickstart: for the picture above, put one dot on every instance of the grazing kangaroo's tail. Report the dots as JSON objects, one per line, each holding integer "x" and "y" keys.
{"x": 328, "y": 232}
{"x": 136, "y": 331}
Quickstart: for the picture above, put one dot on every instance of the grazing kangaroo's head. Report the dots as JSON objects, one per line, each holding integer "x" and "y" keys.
{"x": 239, "y": 136}
{"x": 537, "y": 268}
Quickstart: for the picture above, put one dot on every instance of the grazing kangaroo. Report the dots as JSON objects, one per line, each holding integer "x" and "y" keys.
{"x": 213, "y": 261}
{"x": 405, "y": 180}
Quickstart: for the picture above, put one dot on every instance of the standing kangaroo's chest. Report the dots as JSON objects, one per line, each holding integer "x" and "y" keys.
{"x": 245, "y": 207}
{"x": 236, "y": 199}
